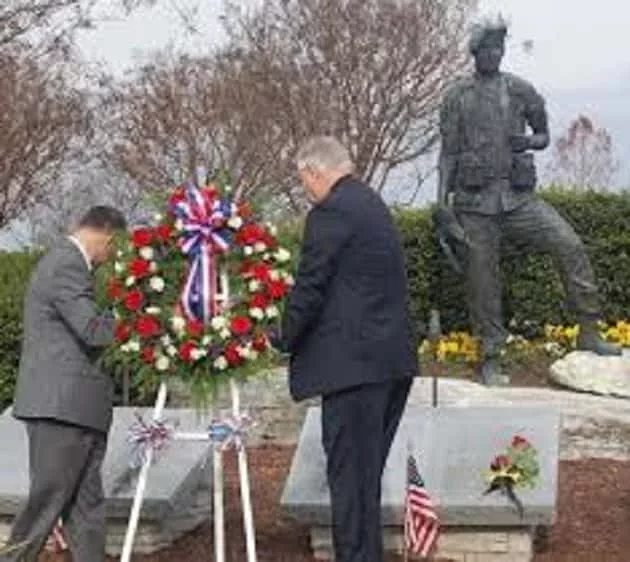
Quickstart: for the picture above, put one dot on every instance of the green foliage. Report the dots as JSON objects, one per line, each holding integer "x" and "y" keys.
{"x": 533, "y": 294}
{"x": 15, "y": 270}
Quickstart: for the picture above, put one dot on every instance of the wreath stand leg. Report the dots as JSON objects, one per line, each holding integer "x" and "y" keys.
{"x": 243, "y": 471}
{"x": 132, "y": 526}
{"x": 219, "y": 528}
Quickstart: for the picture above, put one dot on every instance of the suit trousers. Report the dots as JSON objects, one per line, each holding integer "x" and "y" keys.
{"x": 358, "y": 427}
{"x": 65, "y": 481}
{"x": 537, "y": 225}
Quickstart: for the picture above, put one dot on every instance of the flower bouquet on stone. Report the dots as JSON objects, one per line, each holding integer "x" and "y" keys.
{"x": 517, "y": 467}
{"x": 198, "y": 294}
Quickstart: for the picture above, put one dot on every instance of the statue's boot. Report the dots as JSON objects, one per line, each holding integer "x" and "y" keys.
{"x": 491, "y": 373}
{"x": 589, "y": 339}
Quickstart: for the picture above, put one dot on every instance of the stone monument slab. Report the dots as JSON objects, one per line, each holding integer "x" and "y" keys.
{"x": 174, "y": 480}
{"x": 453, "y": 448}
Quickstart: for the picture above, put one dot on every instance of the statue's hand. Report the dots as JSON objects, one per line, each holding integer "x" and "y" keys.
{"x": 520, "y": 143}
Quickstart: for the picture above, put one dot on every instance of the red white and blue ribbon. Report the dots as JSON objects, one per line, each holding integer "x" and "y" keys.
{"x": 144, "y": 436}
{"x": 204, "y": 234}
{"x": 229, "y": 431}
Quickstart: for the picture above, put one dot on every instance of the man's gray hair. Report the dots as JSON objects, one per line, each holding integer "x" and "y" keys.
{"x": 324, "y": 153}
{"x": 484, "y": 27}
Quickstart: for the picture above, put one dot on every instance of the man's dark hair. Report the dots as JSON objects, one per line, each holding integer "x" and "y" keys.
{"x": 103, "y": 217}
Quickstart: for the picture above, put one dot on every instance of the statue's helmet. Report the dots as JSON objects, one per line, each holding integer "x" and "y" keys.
{"x": 487, "y": 28}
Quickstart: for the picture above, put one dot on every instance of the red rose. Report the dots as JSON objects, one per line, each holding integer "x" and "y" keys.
{"x": 178, "y": 195}
{"x": 260, "y": 343}
{"x": 122, "y": 332}
{"x": 164, "y": 232}
{"x": 277, "y": 289}
{"x": 142, "y": 237}
{"x": 232, "y": 355}
{"x": 194, "y": 328}
{"x": 115, "y": 289}
{"x": 134, "y": 300}
{"x": 244, "y": 210}
{"x": 139, "y": 268}
{"x": 185, "y": 350}
{"x": 148, "y": 326}
{"x": 148, "y": 355}
{"x": 240, "y": 325}
{"x": 500, "y": 462}
{"x": 249, "y": 235}
{"x": 246, "y": 269}
{"x": 259, "y": 301}
{"x": 520, "y": 442}
{"x": 269, "y": 240}
{"x": 261, "y": 272}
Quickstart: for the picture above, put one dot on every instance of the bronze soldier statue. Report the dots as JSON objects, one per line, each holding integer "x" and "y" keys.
{"x": 490, "y": 123}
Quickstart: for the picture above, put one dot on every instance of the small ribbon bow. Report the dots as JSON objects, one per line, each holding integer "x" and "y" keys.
{"x": 229, "y": 431}
{"x": 144, "y": 437}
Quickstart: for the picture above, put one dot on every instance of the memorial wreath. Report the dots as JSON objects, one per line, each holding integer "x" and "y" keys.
{"x": 197, "y": 294}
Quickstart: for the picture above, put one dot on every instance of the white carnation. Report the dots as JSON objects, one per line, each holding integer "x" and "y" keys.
{"x": 134, "y": 346}
{"x": 158, "y": 217}
{"x": 146, "y": 253}
{"x": 260, "y": 247}
{"x": 272, "y": 229}
{"x": 166, "y": 340}
{"x": 248, "y": 250}
{"x": 274, "y": 275}
{"x": 162, "y": 363}
{"x": 130, "y": 281}
{"x": 257, "y": 313}
{"x": 171, "y": 350}
{"x": 254, "y": 285}
{"x": 153, "y": 267}
{"x": 197, "y": 354}
{"x": 157, "y": 284}
{"x": 225, "y": 334}
{"x": 119, "y": 267}
{"x": 206, "y": 340}
{"x": 282, "y": 255}
{"x": 272, "y": 311}
{"x": 218, "y": 323}
{"x": 220, "y": 363}
{"x": 235, "y": 222}
{"x": 178, "y": 323}
{"x": 155, "y": 310}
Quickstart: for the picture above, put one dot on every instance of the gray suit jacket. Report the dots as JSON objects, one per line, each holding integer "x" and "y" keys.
{"x": 63, "y": 335}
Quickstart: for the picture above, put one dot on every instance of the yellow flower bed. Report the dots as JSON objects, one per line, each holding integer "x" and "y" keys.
{"x": 558, "y": 340}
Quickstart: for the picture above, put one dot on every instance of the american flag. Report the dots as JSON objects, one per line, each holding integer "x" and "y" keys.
{"x": 422, "y": 525}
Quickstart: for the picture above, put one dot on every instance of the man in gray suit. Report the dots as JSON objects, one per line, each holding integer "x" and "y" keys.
{"x": 64, "y": 400}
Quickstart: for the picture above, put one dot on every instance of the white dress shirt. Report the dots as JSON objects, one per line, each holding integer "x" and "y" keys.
{"x": 78, "y": 244}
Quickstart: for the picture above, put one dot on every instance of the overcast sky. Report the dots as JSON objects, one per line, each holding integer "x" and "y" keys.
{"x": 580, "y": 60}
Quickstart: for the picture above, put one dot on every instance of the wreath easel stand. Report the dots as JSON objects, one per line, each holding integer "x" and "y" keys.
{"x": 222, "y": 297}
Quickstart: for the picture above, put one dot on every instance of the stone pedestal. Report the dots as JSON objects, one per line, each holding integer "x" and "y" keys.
{"x": 453, "y": 448}
{"x": 456, "y": 544}
{"x": 178, "y": 495}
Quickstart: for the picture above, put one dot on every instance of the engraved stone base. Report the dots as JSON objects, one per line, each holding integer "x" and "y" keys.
{"x": 456, "y": 544}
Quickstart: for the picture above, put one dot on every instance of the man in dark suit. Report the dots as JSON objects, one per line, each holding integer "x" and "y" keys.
{"x": 64, "y": 400}
{"x": 348, "y": 330}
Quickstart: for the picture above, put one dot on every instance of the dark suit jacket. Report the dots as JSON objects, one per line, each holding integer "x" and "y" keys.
{"x": 63, "y": 333}
{"x": 346, "y": 321}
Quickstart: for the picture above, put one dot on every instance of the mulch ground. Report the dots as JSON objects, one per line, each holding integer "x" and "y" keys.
{"x": 593, "y": 516}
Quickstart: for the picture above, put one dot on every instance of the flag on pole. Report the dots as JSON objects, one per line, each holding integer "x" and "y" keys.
{"x": 422, "y": 525}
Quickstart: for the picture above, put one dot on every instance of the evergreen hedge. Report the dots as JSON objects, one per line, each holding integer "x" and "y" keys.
{"x": 533, "y": 293}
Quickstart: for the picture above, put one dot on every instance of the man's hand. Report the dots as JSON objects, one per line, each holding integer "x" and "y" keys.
{"x": 520, "y": 143}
